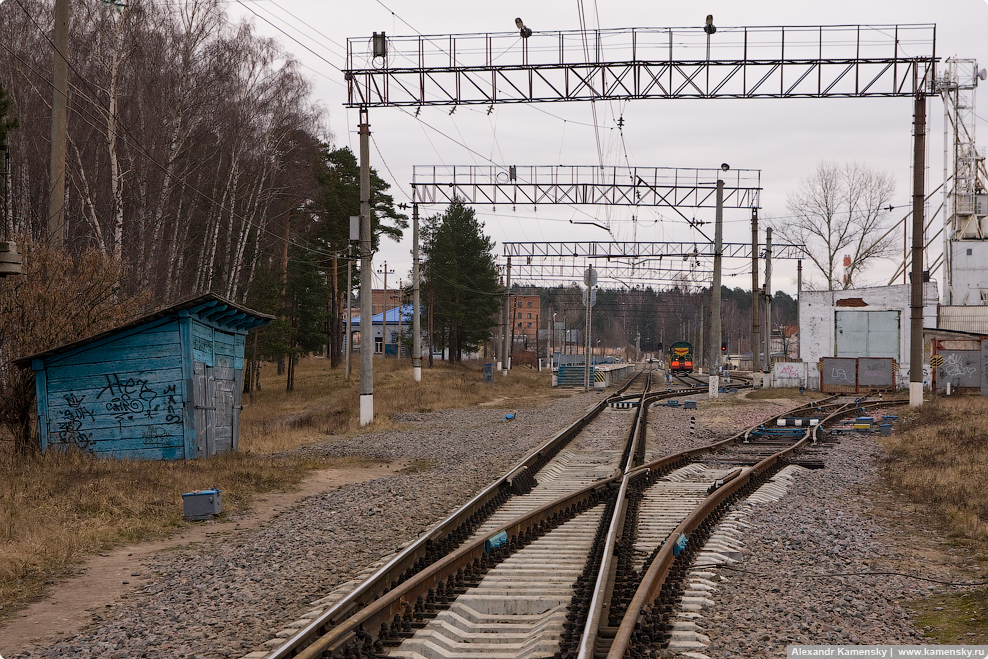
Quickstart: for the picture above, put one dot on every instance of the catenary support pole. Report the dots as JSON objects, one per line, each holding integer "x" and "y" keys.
{"x": 366, "y": 279}
{"x": 715, "y": 336}
{"x": 768, "y": 300}
{"x": 416, "y": 321}
{"x": 586, "y": 343}
{"x": 919, "y": 195}
{"x": 756, "y": 347}
{"x": 506, "y": 354}
{"x": 59, "y": 110}
{"x": 799, "y": 298}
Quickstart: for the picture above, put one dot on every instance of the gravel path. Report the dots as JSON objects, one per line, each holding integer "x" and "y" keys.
{"x": 228, "y": 596}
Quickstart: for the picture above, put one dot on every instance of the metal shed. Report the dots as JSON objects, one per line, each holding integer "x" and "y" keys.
{"x": 165, "y": 386}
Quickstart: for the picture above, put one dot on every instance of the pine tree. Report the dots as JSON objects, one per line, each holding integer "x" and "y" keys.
{"x": 337, "y": 201}
{"x": 461, "y": 278}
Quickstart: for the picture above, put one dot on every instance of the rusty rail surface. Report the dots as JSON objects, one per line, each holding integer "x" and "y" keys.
{"x": 392, "y": 616}
{"x": 640, "y": 610}
{"x": 416, "y": 555}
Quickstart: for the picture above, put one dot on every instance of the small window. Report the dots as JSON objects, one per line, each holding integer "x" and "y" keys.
{"x": 519, "y": 324}
{"x": 529, "y": 324}
{"x": 529, "y": 315}
{"x": 969, "y": 251}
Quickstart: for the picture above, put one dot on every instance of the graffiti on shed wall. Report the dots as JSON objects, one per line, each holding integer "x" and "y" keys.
{"x": 131, "y": 401}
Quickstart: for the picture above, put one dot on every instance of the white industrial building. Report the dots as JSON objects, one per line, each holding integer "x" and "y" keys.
{"x": 862, "y": 322}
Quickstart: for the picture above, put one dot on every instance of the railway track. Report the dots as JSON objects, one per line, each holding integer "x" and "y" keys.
{"x": 581, "y": 549}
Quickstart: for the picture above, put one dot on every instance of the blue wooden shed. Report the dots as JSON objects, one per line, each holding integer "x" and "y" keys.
{"x": 163, "y": 386}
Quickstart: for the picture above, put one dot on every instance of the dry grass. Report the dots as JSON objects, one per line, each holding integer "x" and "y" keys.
{"x": 325, "y": 403}
{"x": 941, "y": 459}
{"x": 58, "y": 508}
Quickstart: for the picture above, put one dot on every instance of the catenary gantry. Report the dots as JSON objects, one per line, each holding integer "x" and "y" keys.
{"x": 640, "y": 250}
{"x": 585, "y": 184}
{"x": 831, "y": 61}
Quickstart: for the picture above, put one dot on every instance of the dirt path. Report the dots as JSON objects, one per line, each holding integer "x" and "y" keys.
{"x": 107, "y": 579}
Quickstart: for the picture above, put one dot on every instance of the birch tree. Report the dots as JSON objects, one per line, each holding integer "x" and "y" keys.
{"x": 840, "y": 211}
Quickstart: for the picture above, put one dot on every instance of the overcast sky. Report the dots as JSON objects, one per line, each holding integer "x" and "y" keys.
{"x": 785, "y": 138}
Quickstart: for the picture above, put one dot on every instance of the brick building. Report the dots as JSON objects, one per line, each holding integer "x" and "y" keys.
{"x": 526, "y": 318}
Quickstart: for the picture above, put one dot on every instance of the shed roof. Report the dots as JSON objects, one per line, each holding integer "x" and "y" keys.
{"x": 207, "y": 305}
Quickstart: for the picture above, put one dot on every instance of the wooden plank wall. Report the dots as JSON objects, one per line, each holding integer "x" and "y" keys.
{"x": 121, "y": 398}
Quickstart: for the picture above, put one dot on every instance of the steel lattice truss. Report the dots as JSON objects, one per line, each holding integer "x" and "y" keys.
{"x": 631, "y": 63}
{"x": 669, "y": 271}
{"x": 638, "y": 251}
{"x": 615, "y": 186}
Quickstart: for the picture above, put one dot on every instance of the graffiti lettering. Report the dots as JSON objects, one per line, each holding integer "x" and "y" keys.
{"x": 837, "y": 373}
{"x": 788, "y": 371}
{"x": 953, "y": 366}
{"x": 129, "y": 401}
{"x": 129, "y": 397}
{"x": 70, "y": 434}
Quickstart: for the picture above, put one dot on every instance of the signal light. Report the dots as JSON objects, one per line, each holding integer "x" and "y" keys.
{"x": 723, "y": 347}
{"x": 660, "y": 346}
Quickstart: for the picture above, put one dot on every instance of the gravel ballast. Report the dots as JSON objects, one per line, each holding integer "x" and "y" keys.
{"x": 228, "y": 596}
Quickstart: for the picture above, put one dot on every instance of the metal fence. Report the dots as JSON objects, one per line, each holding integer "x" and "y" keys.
{"x": 847, "y": 375}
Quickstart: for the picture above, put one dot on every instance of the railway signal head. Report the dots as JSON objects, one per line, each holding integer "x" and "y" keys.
{"x": 723, "y": 347}
{"x": 660, "y": 345}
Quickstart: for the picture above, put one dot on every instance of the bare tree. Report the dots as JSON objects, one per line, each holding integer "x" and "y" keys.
{"x": 839, "y": 214}
{"x": 189, "y": 134}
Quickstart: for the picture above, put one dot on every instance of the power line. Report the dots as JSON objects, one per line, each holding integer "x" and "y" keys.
{"x": 241, "y": 2}
{"x": 184, "y": 185}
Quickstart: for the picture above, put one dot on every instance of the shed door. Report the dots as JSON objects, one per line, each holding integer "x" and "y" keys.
{"x": 867, "y": 334}
{"x": 200, "y": 398}
{"x": 224, "y": 385}
{"x": 217, "y": 408}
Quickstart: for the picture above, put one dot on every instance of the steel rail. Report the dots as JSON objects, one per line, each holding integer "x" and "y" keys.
{"x": 606, "y": 575}
{"x": 397, "y": 604}
{"x": 599, "y": 601}
{"x": 379, "y": 582}
{"x": 658, "y": 571}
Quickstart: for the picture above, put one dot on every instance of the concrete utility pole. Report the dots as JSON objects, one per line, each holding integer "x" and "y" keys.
{"x": 59, "y": 109}
{"x": 552, "y": 337}
{"x": 713, "y": 387}
{"x": 416, "y": 321}
{"x": 756, "y": 343}
{"x": 384, "y": 316}
{"x": 366, "y": 278}
{"x": 768, "y": 300}
{"x": 799, "y": 296}
{"x": 507, "y": 319}
{"x": 919, "y": 195}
